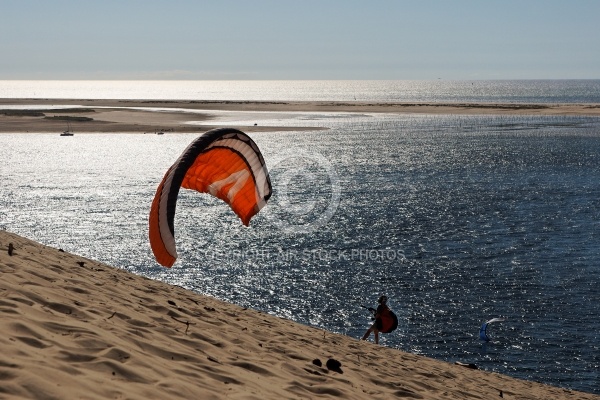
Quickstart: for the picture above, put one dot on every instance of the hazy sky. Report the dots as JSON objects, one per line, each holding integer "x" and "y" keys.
{"x": 301, "y": 39}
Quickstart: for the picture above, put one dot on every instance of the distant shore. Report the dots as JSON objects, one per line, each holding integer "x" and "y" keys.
{"x": 140, "y": 116}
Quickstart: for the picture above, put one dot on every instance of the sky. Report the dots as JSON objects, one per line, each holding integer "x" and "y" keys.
{"x": 299, "y": 39}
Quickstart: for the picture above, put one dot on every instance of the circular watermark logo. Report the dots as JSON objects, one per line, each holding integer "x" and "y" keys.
{"x": 306, "y": 192}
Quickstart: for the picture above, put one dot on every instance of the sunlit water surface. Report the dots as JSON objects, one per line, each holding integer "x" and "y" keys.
{"x": 494, "y": 91}
{"x": 458, "y": 219}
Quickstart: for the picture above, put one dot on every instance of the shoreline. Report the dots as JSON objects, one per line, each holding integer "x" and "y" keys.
{"x": 74, "y": 327}
{"x": 112, "y": 116}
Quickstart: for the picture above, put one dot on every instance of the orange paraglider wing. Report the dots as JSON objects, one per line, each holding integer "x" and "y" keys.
{"x": 223, "y": 162}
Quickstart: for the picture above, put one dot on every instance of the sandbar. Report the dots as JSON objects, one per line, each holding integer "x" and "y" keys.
{"x": 140, "y": 116}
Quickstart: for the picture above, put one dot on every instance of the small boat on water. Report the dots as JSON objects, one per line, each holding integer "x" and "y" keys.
{"x": 67, "y": 132}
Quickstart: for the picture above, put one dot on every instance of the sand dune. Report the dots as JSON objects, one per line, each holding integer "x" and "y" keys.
{"x": 75, "y": 328}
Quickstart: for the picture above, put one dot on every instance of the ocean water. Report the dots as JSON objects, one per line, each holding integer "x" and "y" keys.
{"x": 458, "y": 219}
{"x": 498, "y": 91}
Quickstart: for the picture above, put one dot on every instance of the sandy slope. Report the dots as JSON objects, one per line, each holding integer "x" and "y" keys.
{"x": 74, "y": 328}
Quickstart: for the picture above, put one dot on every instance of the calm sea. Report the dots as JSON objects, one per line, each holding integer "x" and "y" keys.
{"x": 458, "y": 219}
{"x": 507, "y": 91}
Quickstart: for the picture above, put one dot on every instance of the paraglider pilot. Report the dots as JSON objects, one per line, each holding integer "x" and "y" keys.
{"x": 381, "y": 316}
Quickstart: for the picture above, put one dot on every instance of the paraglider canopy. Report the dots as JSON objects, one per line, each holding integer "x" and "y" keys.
{"x": 225, "y": 163}
{"x": 483, "y": 330}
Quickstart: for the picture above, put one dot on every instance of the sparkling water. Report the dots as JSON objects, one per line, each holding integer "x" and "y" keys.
{"x": 458, "y": 219}
{"x": 501, "y": 91}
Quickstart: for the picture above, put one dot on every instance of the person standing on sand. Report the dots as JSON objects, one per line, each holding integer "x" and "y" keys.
{"x": 385, "y": 320}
